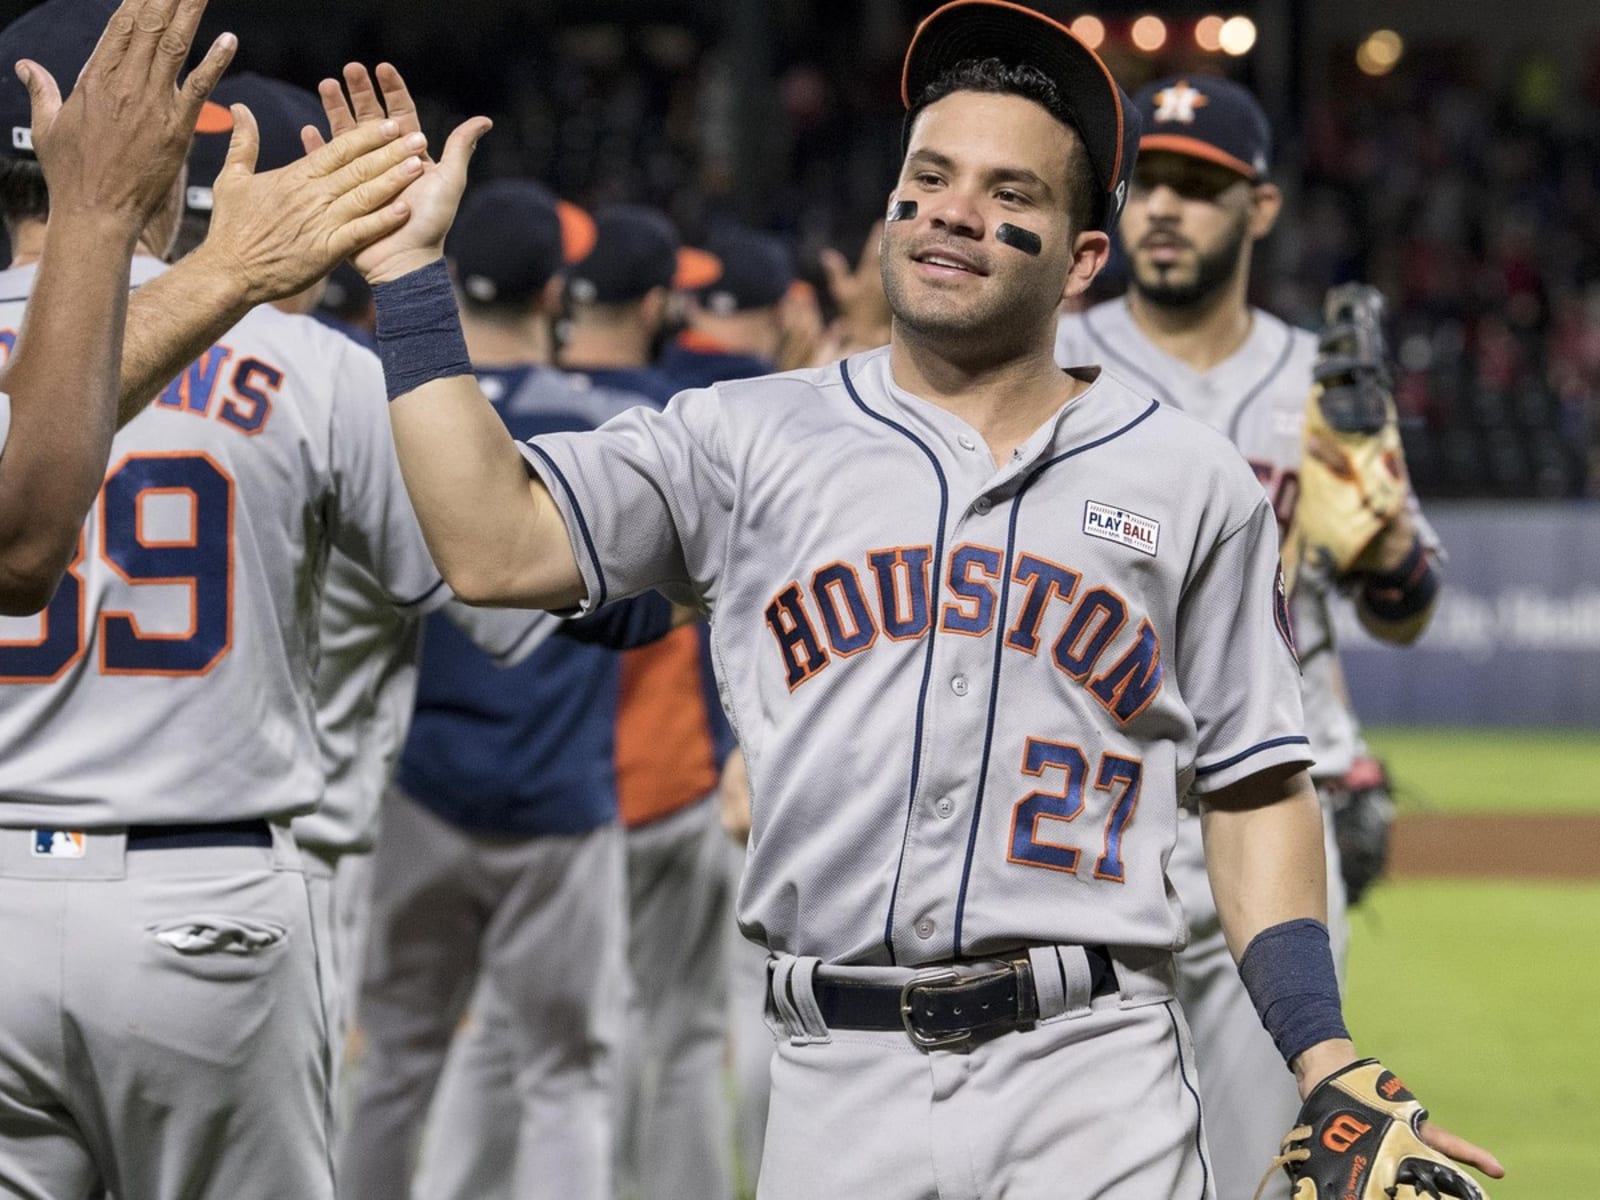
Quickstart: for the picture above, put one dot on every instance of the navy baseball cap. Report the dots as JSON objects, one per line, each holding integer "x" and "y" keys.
{"x": 511, "y": 237}
{"x": 1015, "y": 34}
{"x": 1206, "y": 117}
{"x": 756, "y": 271}
{"x": 637, "y": 249}
{"x": 281, "y": 111}
{"x": 60, "y": 36}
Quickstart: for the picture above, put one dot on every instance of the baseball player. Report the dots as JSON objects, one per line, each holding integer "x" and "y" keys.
{"x": 735, "y": 323}
{"x": 158, "y": 725}
{"x": 671, "y": 740}
{"x": 118, "y": 156}
{"x": 1185, "y": 334}
{"x": 975, "y": 650}
{"x": 501, "y": 859}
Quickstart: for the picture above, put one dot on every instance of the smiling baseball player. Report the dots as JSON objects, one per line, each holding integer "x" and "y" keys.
{"x": 1186, "y": 334}
{"x": 975, "y": 650}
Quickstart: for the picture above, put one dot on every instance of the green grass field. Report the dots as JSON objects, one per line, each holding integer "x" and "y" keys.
{"x": 1493, "y": 770}
{"x": 1486, "y": 998}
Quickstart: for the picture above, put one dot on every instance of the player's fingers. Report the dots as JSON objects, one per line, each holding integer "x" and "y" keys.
{"x": 397, "y": 99}
{"x": 44, "y": 97}
{"x": 361, "y": 232}
{"x": 1461, "y": 1150}
{"x": 243, "y": 144}
{"x": 836, "y": 269}
{"x": 374, "y": 161}
{"x": 463, "y": 140}
{"x": 173, "y": 47}
{"x": 364, "y": 101}
{"x": 311, "y": 139}
{"x": 150, "y": 23}
{"x": 113, "y": 42}
{"x": 203, "y": 79}
{"x": 335, "y": 107}
{"x": 372, "y": 194}
{"x": 351, "y": 145}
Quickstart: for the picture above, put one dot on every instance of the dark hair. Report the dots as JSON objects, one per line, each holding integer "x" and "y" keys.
{"x": 23, "y": 195}
{"x": 1019, "y": 79}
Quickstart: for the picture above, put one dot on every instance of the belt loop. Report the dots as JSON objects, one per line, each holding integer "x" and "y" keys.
{"x": 793, "y": 1001}
{"x": 1049, "y": 985}
{"x": 1077, "y": 980}
{"x": 285, "y": 850}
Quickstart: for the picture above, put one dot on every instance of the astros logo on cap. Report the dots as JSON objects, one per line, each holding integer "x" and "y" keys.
{"x": 1178, "y": 102}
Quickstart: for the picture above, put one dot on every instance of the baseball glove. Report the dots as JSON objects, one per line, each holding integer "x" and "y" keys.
{"x": 1352, "y": 471}
{"x": 1357, "y": 1139}
{"x": 1363, "y": 814}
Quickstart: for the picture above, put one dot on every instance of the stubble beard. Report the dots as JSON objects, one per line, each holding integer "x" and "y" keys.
{"x": 1212, "y": 271}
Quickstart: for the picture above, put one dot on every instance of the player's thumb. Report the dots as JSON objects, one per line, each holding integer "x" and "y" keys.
{"x": 244, "y": 145}
{"x": 44, "y": 97}
{"x": 463, "y": 140}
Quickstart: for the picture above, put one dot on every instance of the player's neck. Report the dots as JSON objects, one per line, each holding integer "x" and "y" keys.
{"x": 507, "y": 343}
{"x": 1202, "y": 334}
{"x": 588, "y": 346}
{"x": 1005, "y": 400}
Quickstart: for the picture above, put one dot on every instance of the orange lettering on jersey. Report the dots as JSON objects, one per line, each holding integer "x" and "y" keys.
{"x": 1345, "y": 1131}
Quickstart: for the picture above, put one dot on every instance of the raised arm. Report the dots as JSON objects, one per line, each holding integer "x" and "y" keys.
{"x": 271, "y": 236}
{"x": 110, "y": 155}
{"x": 496, "y": 536}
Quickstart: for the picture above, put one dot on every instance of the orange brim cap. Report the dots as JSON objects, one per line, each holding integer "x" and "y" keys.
{"x": 577, "y": 232}
{"x": 696, "y": 269}
{"x": 214, "y": 118}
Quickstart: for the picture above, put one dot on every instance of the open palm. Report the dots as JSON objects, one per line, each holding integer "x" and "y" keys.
{"x": 432, "y": 197}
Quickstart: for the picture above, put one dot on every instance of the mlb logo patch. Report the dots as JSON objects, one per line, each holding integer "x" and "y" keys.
{"x": 58, "y": 843}
{"x": 1112, "y": 524}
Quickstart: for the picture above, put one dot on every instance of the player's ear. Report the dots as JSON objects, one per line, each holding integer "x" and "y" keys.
{"x": 1266, "y": 202}
{"x": 550, "y": 297}
{"x": 1090, "y": 250}
{"x": 653, "y": 307}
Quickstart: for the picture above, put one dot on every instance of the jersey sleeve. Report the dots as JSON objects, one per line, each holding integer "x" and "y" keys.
{"x": 507, "y": 635}
{"x": 647, "y": 499}
{"x": 1236, "y": 659}
{"x": 373, "y": 521}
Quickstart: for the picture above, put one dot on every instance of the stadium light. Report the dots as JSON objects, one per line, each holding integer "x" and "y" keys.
{"x": 1238, "y": 35}
{"x": 1208, "y": 33}
{"x": 1149, "y": 33}
{"x": 1091, "y": 31}
{"x": 1379, "y": 54}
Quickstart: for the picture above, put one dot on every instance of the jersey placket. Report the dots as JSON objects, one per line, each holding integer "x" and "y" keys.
{"x": 960, "y": 696}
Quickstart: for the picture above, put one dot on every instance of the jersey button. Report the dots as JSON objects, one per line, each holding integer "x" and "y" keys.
{"x": 958, "y": 685}
{"x": 945, "y": 806}
{"x": 982, "y": 505}
{"x": 925, "y": 928}
{"x": 967, "y": 443}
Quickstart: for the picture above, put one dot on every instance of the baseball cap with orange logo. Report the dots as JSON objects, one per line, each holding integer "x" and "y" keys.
{"x": 60, "y": 36}
{"x": 1205, "y": 117}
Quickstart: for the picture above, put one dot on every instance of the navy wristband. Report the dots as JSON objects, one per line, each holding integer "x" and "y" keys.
{"x": 1402, "y": 593}
{"x": 419, "y": 329}
{"x": 1288, "y": 971}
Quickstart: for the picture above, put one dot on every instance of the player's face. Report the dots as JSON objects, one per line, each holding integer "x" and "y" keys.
{"x": 975, "y": 162}
{"x": 1185, "y": 227}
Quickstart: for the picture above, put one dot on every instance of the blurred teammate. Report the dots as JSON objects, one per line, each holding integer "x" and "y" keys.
{"x": 671, "y": 740}
{"x": 1201, "y": 197}
{"x": 500, "y": 865}
{"x": 735, "y": 325}
{"x": 157, "y": 718}
{"x": 116, "y": 159}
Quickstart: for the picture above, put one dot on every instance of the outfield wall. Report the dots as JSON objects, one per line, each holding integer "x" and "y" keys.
{"x": 1516, "y": 637}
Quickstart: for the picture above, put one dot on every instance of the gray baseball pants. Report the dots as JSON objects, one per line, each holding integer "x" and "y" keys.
{"x": 163, "y": 1026}
{"x": 1249, "y": 1095}
{"x": 674, "y": 1135}
{"x": 540, "y": 921}
{"x": 1095, "y": 1102}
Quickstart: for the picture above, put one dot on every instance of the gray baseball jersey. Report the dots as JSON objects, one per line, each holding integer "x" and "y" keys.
{"x": 970, "y": 695}
{"x": 170, "y": 679}
{"x": 1257, "y": 396}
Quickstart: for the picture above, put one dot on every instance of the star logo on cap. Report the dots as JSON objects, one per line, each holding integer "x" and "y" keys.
{"x": 1178, "y": 102}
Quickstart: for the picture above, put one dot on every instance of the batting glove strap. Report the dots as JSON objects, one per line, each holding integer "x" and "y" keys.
{"x": 1357, "y": 1139}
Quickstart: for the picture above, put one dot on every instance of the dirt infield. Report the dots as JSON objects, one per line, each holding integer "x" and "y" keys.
{"x": 1496, "y": 846}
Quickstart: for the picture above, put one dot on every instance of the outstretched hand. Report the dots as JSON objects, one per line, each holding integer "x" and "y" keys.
{"x": 431, "y": 197}
{"x": 115, "y": 146}
{"x": 1461, "y": 1150}
{"x": 279, "y": 231}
